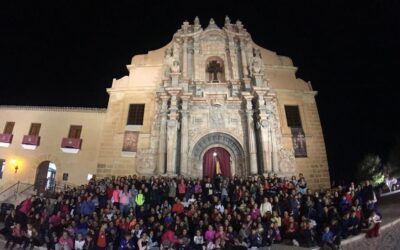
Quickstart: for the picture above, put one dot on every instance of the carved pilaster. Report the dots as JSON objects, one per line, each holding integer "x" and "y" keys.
{"x": 163, "y": 134}
{"x": 172, "y": 130}
{"x": 251, "y": 134}
{"x": 185, "y": 133}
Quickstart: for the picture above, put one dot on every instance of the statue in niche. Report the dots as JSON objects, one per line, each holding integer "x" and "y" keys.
{"x": 168, "y": 61}
{"x": 175, "y": 68}
{"x": 214, "y": 69}
{"x": 256, "y": 64}
{"x": 239, "y": 25}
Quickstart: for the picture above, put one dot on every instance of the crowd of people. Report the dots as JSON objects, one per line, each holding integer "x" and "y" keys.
{"x": 186, "y": 213}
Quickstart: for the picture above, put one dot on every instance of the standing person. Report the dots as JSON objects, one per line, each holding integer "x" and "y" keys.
{"x": 172, "y": 190}
{"x": 65, "y": 242}
{"x": 265, "y": 207}
{"x": 115, "y": 196}
{"x": 143, "y": 243}
{"x": 181, "y": 189}
{"x": 124, "y": 198}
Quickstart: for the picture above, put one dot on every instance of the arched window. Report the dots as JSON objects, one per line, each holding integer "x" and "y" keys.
{"x": 215, "y": 70}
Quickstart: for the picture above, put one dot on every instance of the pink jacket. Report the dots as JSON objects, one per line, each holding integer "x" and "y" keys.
{"x": 26, "y": 206}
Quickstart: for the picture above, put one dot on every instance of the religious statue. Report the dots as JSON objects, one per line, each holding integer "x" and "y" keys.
{"x": 239, "y": 25}
{"x": 197, "y": 25}
{"x": 228, "y": 24}
{"x": 175, "y": 68}
{"x": 256, "y": 64}
{"x": 168, "y": 61}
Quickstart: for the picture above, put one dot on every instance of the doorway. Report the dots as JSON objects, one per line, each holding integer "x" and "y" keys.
{"x": 217, "y": 160}
{"x": 45, "y": 176}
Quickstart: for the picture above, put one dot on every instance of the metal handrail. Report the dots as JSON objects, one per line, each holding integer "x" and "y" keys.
{"x": 29, "y": 186}
{"x": 5, "y": 190}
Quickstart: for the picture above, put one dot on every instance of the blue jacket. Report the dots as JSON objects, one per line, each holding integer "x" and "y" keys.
{"x": 87, "y": 208}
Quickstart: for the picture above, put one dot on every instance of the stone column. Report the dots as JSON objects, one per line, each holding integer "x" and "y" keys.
{"x": 163, "y": 134}
{"x": 185, "y": 134}
{"x": 185, "y": 58}
{"x": 263, "y": 128}
{"x": 251, "y": 134}
{"x": 172, "y": 131}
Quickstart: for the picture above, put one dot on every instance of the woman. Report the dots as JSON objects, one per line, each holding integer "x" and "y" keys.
{"x": 143, "y": 243}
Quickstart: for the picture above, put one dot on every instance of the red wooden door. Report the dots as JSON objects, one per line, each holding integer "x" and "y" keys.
{"x": 41, "y": 177}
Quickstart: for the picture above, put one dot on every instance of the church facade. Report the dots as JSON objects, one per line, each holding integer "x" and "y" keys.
{"x": 211, "y": 101}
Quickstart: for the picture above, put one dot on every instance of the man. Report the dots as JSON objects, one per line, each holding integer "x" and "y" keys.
{"x": 87, "y": 207}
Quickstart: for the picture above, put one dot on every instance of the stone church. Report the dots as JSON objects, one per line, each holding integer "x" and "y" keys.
{"x": 211, "y": 101}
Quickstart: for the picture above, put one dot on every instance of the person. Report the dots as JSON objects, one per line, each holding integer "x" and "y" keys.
{"x": 16, "y": 236}
{"x": 374, "y": 222}
{"x": 143, "y": 242}
{"x": 65, "y": 242}
{"x": 79, "y": 242}
{"x": 265, "y": 207}
{"x": 101, "y": 239}
{"x": 327, "y": 239}
{"x": 198, "y": 241}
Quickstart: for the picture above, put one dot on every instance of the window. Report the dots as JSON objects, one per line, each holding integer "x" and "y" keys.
{"x": 293, "y": 116}
{"x": 35, "y": 129}
{"x": 2, "y": 166}
{"x": 135, "y": 114}
{"x": 75, "y": 131}
{"x": 8, "y": 129}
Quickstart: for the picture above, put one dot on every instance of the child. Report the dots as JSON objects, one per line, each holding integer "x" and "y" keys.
{"x": 374, "y": 223}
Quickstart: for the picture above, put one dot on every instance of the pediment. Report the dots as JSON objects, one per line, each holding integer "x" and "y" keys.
{"x": 213, "y": 35}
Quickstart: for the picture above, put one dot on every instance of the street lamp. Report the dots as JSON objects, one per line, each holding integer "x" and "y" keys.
{"x": 15, "y": 164}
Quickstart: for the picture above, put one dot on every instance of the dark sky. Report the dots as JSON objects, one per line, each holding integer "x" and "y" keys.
{"x": 65, "y": 53}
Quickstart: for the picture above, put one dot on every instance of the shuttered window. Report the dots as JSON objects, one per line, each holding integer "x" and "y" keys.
{"x": 135, "y": 114}
{"x": 35, "y": 129}
{"x": 8, "y": 129}
{"x": 75, "y": 131}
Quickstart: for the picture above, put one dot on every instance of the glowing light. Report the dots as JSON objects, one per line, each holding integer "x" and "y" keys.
{"x": 215, "y": 154}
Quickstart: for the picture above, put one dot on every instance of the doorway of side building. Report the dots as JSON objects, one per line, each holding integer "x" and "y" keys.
{"x": 45, "y": 176}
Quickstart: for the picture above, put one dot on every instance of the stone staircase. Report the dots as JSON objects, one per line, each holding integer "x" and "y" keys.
{"x": 16, "y": 193}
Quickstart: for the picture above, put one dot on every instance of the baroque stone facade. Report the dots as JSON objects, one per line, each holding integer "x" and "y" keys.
{"x": 214, "y": 87}
{"x": 209, "y": 87}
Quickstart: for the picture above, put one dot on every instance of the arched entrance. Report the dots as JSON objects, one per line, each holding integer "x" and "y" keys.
{"x": 202, "y": 153}
{"x": 45, "y": 176}
{"x": 216, "y": 160}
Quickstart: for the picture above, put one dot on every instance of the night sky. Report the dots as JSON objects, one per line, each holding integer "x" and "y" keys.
{"x": 62, "y": 53}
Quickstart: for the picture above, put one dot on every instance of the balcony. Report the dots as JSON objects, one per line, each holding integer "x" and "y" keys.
{"x": 30, "y": 142}
{"x": 5, "y": 140}
{"x": 71, "y": 145}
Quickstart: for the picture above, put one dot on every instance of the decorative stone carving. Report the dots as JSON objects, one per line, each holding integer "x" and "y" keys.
{"x": 168, "y": 62}
{"x": 256, "y": 64}
{"x": 287, "y": 161}
{"x": 216, "y": 117}
{"x": 175, "y": 68}
{"x": 197, "y": 25}
{"x": 212, "y": 25}
{"x": 239, "y": 26}
{"x": 146, "y": 163}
